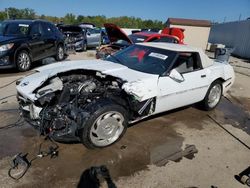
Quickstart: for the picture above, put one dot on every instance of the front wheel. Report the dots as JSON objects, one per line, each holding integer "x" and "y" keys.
{"x": 213, "y": 96}
{"x": 84, "y": 46}
{"x": 105, "y": 126}
{"x": 23, "y": 61}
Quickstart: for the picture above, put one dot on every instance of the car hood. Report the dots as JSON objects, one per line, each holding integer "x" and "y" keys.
{"x": 71, "y": 28}
{"x": 115, "y": 33}
{"x": 141, "y": 85}
{"x": 6, "y": 39}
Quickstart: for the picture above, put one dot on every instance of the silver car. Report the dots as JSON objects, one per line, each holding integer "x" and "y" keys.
{"x": 95, "y": 36}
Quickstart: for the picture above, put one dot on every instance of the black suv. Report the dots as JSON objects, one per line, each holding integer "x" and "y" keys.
{"x": 25, "y": 41}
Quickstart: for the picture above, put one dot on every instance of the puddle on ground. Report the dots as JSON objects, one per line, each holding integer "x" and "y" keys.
{"x": 233, "y": 114}
{"x": 153, "y": 141}
{"x": 13, "y": 139}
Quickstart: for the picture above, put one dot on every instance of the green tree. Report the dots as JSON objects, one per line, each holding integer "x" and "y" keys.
{"x": 69, "y": 18}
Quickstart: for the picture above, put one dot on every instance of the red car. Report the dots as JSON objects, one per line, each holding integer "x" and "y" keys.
{"x": 119, "y": 39}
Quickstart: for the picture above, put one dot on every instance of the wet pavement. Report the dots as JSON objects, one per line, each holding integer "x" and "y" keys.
{"x": 152, "y": 141}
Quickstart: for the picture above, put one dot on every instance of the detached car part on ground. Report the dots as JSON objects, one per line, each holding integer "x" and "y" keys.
{"x": 119, "y": 40}
{"x": 75, "y": 37}
{"x": 25, "y": 41}
{"x": 94, "y": 100}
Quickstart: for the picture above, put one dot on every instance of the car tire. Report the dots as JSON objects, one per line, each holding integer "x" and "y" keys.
{"x": 102, "y": 40}
{"x": 23, "y": 61}
{"x": 213, "y": 96}
{"x": 84, "y": 48}
{"x": 60, "y": 54}
{"x": 106, "y": 124}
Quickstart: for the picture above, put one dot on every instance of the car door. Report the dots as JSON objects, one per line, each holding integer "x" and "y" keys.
{"x": 49, "y": 38}
{"x": 173, "y": 93}
{"x": 93, "y": 37}
{"x": 36, "y": 42}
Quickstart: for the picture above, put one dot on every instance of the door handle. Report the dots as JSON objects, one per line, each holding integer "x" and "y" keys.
{"x": 203, "y": 76}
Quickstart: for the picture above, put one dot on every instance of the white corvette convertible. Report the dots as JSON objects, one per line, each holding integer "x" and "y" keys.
{"x": 93, "y": 100}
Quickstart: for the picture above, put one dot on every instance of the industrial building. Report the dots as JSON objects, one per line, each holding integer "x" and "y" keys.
{"x": 196, "y": 31}
{"x": 235, "y": 35}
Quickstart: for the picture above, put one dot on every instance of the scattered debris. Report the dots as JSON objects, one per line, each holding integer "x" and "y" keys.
{"x": 20, "y": 163}
{"x": 123, "y": 147}
{"x": 19, "y": 166}
{"x": 244, "y": 177}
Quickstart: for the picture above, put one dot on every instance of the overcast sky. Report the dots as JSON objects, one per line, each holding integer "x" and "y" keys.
{"x": 214, "y": 10}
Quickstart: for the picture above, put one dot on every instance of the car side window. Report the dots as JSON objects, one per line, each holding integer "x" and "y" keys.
{"x": 187, "y": 62}
{"x": 154, "y": 39}
{"x": 94, "y": 31}
{"x": 47, "y": 29}
{"x": 35, "y": 29}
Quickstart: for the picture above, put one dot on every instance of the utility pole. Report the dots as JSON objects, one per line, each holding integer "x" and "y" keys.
{"x": 7, "y": 13}
{"x": 240, "y": 17}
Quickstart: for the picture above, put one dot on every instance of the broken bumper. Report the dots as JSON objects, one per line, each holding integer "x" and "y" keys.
{"x": 35, "y": 117}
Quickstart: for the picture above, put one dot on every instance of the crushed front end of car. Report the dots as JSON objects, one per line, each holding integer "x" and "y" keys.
{"x": 60, "y": 100}
{"x": 59, "y": 106}
{"x": 75, "y": 38}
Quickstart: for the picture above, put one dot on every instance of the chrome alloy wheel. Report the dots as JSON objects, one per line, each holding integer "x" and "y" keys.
{"x": 60, "y": 53}
{"x": 214, "y": 95}
{"x": 23, "y": 60}
{"x": 107, "y": 128}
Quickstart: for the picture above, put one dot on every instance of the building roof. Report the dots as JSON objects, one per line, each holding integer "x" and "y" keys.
{"x": 189, "y": 22}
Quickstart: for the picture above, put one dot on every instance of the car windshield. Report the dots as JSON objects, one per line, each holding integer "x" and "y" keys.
{"x": 94, "y": 30}
{"x": 137, "y": 38}
{"x": 166, "y": 39}
{"x": 15, "y": 28}
{"x": 144, "y": 59}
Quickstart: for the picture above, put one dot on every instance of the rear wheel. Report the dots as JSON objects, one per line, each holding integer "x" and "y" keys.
{"x": 23, "y": 61}
{"x": 213, "y": 96}
{"x": 105, "y": 126}
{"x": 59, "y": 53}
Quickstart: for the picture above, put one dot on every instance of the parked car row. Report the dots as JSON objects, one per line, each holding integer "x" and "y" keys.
{"x": 25, "y": 41}
{"x": 119, "y": 40}
{"x": 80, "y": 37}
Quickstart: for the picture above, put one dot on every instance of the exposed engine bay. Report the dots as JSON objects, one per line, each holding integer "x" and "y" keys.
{"x": 75, "y": 37}
{"x": 65, "y": 101}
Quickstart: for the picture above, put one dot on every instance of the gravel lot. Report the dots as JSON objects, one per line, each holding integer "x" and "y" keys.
{"x": 144, "y": 156}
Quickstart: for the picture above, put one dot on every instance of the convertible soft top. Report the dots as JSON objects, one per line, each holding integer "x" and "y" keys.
{"x": 206, "y": 62}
